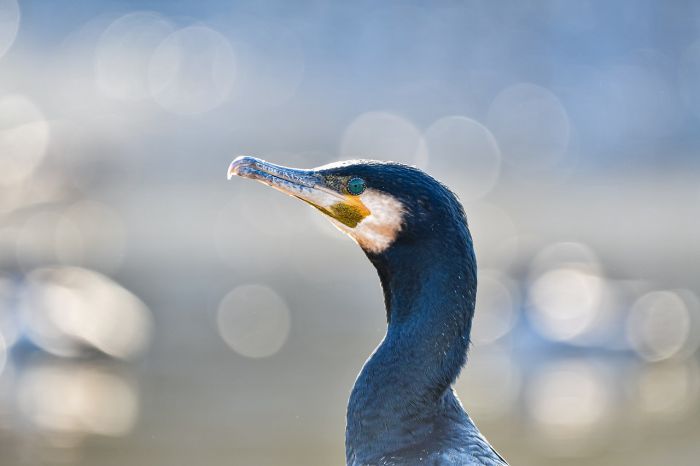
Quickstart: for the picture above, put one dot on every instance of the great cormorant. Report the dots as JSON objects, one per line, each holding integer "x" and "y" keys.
{"x": 402, "y": 409}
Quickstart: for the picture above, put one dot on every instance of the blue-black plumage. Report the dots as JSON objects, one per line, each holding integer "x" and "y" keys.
{"x": 402, "y": 409}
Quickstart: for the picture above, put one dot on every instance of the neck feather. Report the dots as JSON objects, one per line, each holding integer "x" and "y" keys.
{"x": 404, "y": 388}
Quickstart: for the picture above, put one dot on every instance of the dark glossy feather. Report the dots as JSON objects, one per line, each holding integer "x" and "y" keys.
{"x": 402, "y": 410}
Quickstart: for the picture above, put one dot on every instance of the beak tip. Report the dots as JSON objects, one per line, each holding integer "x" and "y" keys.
{"x": 238, "y": 163}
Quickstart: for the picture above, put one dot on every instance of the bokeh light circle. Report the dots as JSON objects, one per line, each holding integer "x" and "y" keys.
{"x": 495, "y": 312}
{"x": 253, "y": 320}
{"x": 669, "y": 390}
{"x": 9, "y": 323}
{"x": 492, "y": 382}
{"x": 384, "y": 136}
{"x": 565, "y": 302}
{"x": 464, "y": 155}
{"x": 124, "y": 51}
{"x": 9, "y": 24}
{"x": 3, "y": 353}
{"x": 571, "y": 404}
{"x": 65, "y": 309}
{"x": 658, "y": 325}
{"x": 565, "y": 254}
{"x": 24, "y": 138}
{"x": 78, "y": 399}
{"x": 531, "y": 126}
{"x": 567, "y": 292}
{"x": 192, "y": 70}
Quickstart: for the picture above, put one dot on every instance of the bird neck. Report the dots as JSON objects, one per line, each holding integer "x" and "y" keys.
{"x": 404, "y": 387}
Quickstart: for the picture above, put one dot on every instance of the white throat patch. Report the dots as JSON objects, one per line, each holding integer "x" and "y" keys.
{"x": 378, "y": 230}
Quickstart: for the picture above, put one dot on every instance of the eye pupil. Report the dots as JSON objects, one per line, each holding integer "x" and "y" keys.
{"x": 356, "y": 186}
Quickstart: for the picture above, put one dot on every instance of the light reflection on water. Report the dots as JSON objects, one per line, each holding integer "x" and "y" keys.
{"x": 77, "y": 399}
{"x": 668, "y": 390}
{"x": 491, "y": 386}
{"x": 566, "y": 302}
{"x": 65, "y": 310}
{"x": 572, "y": 404}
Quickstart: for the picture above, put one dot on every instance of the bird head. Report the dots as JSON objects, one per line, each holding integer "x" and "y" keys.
{"x": 376, "y": 203}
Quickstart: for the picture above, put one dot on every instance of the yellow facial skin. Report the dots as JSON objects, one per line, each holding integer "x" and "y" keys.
{"x": 349, "y": 212}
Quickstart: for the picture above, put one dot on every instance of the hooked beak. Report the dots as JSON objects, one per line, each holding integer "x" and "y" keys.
{"x": 288, "y": 180}
{"x": 307, "y": 185}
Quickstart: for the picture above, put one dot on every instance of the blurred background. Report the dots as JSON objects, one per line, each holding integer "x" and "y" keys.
{"x": 152, "y": 313}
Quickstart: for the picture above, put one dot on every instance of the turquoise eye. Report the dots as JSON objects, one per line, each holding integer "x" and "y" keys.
{"x": 356, "y": 186}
